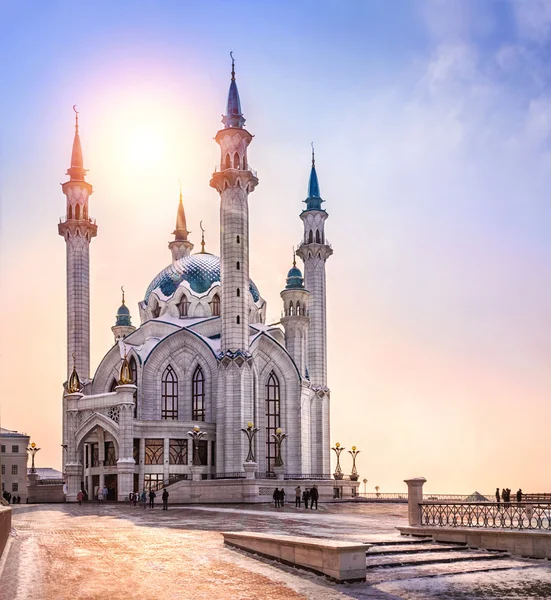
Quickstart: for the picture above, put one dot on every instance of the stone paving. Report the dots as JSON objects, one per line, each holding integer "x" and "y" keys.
{"x": 114, "y": 552}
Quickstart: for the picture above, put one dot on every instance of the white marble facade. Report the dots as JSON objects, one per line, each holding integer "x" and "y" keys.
{"x": 203, "y": 355}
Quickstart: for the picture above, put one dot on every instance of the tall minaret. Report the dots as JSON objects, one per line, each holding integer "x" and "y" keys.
{"x": 78, "y": 230}
{"x": 234, "y": 180}
{"x": 180, "y": 246}
{"x": 314, "y": 251}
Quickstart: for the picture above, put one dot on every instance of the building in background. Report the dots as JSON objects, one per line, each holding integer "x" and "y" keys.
{"x": 13, "y": 462}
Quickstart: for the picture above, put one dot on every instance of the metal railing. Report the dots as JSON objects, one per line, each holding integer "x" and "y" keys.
{"x": 235, "y": 475}
{"x": 219, "y": 169}
{"x": 50, "y": 481}
{"x": 300, "y": 476}
{"x": 509, "y": 515}
{"x": 159, "y": 485}
{"x": 403, "y": 497}
{"x": 389, "y": 496}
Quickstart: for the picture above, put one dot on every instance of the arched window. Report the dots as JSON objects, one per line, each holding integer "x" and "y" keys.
{"x": 318, "y": 240}
{"x": 245, "y": 162}
{"x": 238, "y": 292}
{"x": 113, "y": 385}
{"x": 215, "y": 305}
{"x": 310, "y": 237}
{"x": 198, "y": 395}
{"x": 298, "y": 308}
{"x": 134, "y": 373}
{"x": 238, "y": 265}
{"x": 156, "y": 311}
{"x": 183, "y": 307}
{"x": 238, "y": 320}
{"x": 70, "y": 212}
{"x": 169, "y": 394}
{"x": 77, "y": 212}
{"x": 238, "y": 240}
{"x": 236, "y": 161}
{"x": 228, "y": 161}
{"x": 273, "y": 419}
{"x": 291, "y": 309}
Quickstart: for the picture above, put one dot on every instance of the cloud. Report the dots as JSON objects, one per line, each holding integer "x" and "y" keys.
{"x": 533, "y": 19}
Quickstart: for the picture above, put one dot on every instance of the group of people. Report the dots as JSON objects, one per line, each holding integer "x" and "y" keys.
{"x": 506, "y": 495}
{"x": 309, "y": 497}
{"x": 136, "y": 498}
{"x": 11, "y": 499}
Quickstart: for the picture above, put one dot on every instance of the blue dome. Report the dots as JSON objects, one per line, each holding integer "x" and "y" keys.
{"x": 123, "y": 316}
{"x": 200, "y": 270}
{"x": 294, "y": 279}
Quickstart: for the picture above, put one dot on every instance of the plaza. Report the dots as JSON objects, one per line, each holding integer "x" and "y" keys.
{"x": 119, "y": 551}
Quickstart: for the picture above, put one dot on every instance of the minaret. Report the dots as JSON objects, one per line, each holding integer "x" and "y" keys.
{"x": 123, "y": 321}
{"x": 314, "y": 251}
{"x": 78, "y": 230}
{"x": 234, "y": 180}
{"x": 295, "y": 317}
{"x": 180, "y": 246}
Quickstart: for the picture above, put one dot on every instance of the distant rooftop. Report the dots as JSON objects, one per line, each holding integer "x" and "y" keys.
{"x": 47, "y": 473}
{"x": 10, "y": 433}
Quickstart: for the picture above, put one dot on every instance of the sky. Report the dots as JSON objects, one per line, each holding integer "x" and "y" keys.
{"x": 431, "y": 121}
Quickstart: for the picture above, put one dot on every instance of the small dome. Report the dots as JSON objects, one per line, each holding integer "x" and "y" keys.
{"x": 123, "y": 316}
{"x": 294, "y": 279}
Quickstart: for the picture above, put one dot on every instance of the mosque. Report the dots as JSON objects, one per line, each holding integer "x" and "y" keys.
{"x": 171, "y": 400}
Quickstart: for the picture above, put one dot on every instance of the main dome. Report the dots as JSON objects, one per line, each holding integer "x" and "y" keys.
{"x": 200, "y": 270}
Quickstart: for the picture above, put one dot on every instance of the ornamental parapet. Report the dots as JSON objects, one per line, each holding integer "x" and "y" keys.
{"x": 229, "y": 178}
{"x": 234, "y": 357}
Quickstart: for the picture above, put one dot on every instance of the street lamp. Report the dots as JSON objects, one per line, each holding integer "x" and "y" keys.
{"x": 278, "y": 437}
{"x": 250, "y": 432}
{"x": 354, "y": 475}
{"x": 196, "y": 436}
{"x": 365, "y": 486}
{"x": 338, "y": 471}
{"x": 33, "y": 450}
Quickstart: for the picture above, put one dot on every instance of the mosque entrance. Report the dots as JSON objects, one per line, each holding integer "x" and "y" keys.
{"x": 111, "y": 485}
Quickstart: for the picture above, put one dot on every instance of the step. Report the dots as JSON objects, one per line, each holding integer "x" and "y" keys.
{"x": 377, "y": 576}
{"x": 414, "y": 549}
{"x": 401, "y": 542}
{"x": 377, "y": 562}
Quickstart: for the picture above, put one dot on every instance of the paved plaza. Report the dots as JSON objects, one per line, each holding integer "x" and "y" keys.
{"x": 120, "y": 552}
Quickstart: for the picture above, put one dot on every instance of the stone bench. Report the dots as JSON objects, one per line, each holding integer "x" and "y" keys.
{"x": 339, "y": 561}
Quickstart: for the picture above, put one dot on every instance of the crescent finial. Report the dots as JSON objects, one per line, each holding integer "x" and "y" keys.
{"x": 202, "y": 237}
{"x": 232, "y": 66}
{"x": 76, "y": 117}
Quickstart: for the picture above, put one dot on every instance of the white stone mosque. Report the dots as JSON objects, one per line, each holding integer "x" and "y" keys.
{"x": 170, "y": 402}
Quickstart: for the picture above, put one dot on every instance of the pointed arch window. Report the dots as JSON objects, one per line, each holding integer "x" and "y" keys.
{"x": 236, "y": 161}
{"x": 183, "y": 306}
{"x": 77, "y": 212}
{"x": 198, "y": 395}
{"x": 169, "y": 394}
{"x": 273, "y": 419}
{"x": 310, "y": 237}
{"x": 70, "y": 212}
{"x": 134, "y": 374}
{"x": 215, "y": 305}
{"x": 298, "y": 308}
{"x": 318, "y": 239}
{"x": 228, "y": 161}
{"x": 291, "y": 309}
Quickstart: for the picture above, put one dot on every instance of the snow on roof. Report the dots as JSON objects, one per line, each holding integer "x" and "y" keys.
{"x": 11, "y": 433}
{"x": 47, "y": 473}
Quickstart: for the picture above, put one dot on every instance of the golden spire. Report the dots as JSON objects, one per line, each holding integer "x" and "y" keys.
{"x": 125, "y": 376}
{"x": 73, "y": 385}
{"x": 202, "y": 238}
{"x": 122, "y": 290}
{"x": 294, "y": 257}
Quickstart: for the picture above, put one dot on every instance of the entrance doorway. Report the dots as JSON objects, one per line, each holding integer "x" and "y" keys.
{"x": 111, "y": 484}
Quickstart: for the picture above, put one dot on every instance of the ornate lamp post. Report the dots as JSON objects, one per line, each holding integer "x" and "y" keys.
{"x": 354, "y": 475}
{"x": 250, "y": 432}
{"x": 338, "y": 471}
{"x": 365, "y": 486}
{"x": 33, "y": 449}
{"x": 196, "y": 436}
{"x": 278, "y": 437}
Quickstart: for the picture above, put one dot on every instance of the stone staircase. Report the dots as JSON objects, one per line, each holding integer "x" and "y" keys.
{"x": 403, "y": 558}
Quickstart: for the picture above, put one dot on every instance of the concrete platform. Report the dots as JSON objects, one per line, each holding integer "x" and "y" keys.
{"x": 339, "y": 561}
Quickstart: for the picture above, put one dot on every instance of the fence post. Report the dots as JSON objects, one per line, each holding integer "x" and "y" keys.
{"x": 415, "y": 497}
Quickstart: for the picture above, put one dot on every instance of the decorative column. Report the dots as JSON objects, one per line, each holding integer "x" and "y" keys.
{"x": 415, "y": 497}
{"x": 125, "y": 462}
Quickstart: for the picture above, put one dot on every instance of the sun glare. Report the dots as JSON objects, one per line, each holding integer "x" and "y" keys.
{"x": 146, "y": 147}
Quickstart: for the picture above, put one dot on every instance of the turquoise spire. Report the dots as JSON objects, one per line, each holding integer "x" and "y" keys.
{"x": 233, "y": 117}
{"x": 314, "y": 200}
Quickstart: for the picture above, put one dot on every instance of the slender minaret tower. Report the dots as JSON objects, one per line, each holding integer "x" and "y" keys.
{"x": 295, "y": 316}
{"x": 314, "y": 251}
{"x": 123, "y": 321}
{"x": 234, "y": 180}
{"x": 78, "y": 230}
{"x": 180, "y": 246}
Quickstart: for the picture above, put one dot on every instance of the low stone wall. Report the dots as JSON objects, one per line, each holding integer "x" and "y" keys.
{"x": 532, "y": 544}
{"x": 339, "y": 561}
{"x": 5, "y": 526}
{"x": 249, "y": 491}
{"x": 46, "y": 493}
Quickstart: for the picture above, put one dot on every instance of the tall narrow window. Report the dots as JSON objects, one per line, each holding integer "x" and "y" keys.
{"x": 310, "y": 237}
{"x": 228, "y": 161}
{"x": 183, "y": 307}
{"x": 198, "y": 395}
{"x": 318, "y": 240}
{"x": 298, "y": 308}
{"x": 238, "y": 320}
{"x": 238, "y": 292}
{"x": 77, "y": 212}
{"x": 291, "y": 309}
{"x": 236, "y": 161}
{"x": 134, "y": 374}
{"x": 70, "y": 212}
{"x": 215, "y": 305}
{"x": 169, "y": 394}
{"x": 272, "y": 419}
{"x": 238, "y": 239}
{"x": 238, "y": 265}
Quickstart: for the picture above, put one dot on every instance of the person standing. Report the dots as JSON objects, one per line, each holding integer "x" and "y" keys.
{"x": 275, "y": 496}
{"x": 282, "y": 497}
{"x": 100, "y": 495}
{"x": 80, "y": 498}
{"x": 497, "y": 496}
{"x": 519, "y": 495}
{"x": 306, "y": 497}
{"x": 152, "y": 496}
{"x": 165, "y": 499}
{"x": 298, "y": 496}
{"x": 105, "y": 493}
{"x": 314, "y": 495}
{"x": 144, "y": 499}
